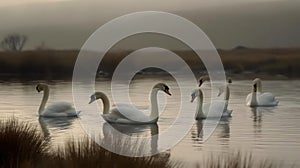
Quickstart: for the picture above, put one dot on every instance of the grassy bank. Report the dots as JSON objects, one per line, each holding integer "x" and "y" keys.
{"x": 52, "y": 64}
{"x": 23, "y": 146}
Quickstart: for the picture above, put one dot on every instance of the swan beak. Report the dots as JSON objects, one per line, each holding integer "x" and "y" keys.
{"x": 254, "y": 88}
{"x": 192, "y": 100}
{"x": 37, "y": 89}
{"x": 91, "y": 101}
{"x": 168, "y": 92}
{"x": 200, "y": 83}
{"x": 221, "y": 90}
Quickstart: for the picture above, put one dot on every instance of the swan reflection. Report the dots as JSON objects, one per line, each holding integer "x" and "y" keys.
{"x": 257, "y": 115}
{"x": 222, "y": 130}
{"x": 113, "y": 136}
{"x": 58, "y": 123}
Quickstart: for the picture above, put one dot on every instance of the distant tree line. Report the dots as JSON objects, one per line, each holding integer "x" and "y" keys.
{"x": 13, "y": 42}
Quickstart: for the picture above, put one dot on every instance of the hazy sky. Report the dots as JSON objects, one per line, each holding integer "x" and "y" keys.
{"x": 66, "y": 24}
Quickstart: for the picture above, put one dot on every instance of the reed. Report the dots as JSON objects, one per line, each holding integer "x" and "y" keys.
{"x": 21, "y": 145}
{"x": 87, "y": 153}
{"x": 236, "y": 160}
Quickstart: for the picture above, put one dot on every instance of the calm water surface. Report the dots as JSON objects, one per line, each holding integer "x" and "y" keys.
{"x": 272, "y": 133}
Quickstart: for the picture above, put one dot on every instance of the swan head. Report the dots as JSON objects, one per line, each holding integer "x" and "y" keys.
{"x": 41, "y": 87}
{"x": 202, "y": 79}
{"x": 256, "y": 80}
{"x": 229, "y": 80}
{"x": 259, "y": 84}
{"x": 195, "y": 93}
{"x": 221, "y": 89}
{"x": 95, "y": 96}
{"x": 161, "y": 86}
{"x": 254, "y": 87}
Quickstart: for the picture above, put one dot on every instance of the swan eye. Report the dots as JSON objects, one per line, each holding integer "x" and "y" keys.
{"x": 200, "y": 82}
{"x": 38, "y": 88}
{"x": 166, "y": 88}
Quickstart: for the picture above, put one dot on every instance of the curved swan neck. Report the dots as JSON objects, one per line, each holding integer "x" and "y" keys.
{"x": 257, "y": 81}
{"x": 253, "y": 99}
{"x": 44, "y": 100}
{"x": 199, "y": 112}
{"x": 105, "y": 102}
{"x": 227, "y": 93}
{"x": 154, "y": 106}
{"x": 259, "y": 86}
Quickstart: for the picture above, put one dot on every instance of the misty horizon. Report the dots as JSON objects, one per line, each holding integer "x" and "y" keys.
{"x": 67, "y": 24}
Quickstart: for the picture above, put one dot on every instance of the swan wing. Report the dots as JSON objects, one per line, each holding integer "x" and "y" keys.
{"x": 115, "y": 119}
{"x": 248, "y": 99}
{"x": 60, "y": 109}
{"x": 205, "y": 108}
{"x": 266, "y": 99}
{"x": 215, "y": 106}
{"x": 127, "y": 111}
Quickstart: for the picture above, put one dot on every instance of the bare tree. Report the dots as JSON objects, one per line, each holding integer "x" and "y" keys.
{"x": 13, "y": 42}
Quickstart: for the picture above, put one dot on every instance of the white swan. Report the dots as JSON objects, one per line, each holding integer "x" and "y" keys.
{"x": 204, "y": 78}
{"x": 258, "y": 98}
{"x": 60, "y": 109}
{"x": 203, "y": 109}
{"x": 128, "y": 114}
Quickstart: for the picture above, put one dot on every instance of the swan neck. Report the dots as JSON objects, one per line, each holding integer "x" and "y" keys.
{"x": 227, "y": 93}
{"x": 253, "y": 99}
{"x": 154, "y": 105}
{"x": 105, "y": 102}
{"x": 199, "y": 111}
{"x": 259, "y": 86}
{"x": 44, "y": 100}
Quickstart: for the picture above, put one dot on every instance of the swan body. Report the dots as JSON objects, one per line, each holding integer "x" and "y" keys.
{"x": 59, "y": 109}
{"x": 202, "y": 111}
{"x": 258, "y": 98}
{"x": 129, "y": 114}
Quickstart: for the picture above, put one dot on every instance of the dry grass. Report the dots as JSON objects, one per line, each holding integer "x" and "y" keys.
{"x": 87, "y": 153}
{"x": 20, "y": 144}
{"x": 236, "y": 160}
{"x": 23, "y": 146}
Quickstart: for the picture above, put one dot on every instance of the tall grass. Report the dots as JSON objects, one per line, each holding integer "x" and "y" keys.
{"x": 236, "y": 160}
{"x": 87, "y": 153}
{"x": 20, "y": 144}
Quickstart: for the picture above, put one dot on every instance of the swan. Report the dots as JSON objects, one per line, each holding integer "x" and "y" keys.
{"x": 128, "y": 114}
{"x": 203, "y": 109}
{"x": 258, "y": 98}
{"x": 59, "y": 109}
{"x": 204, "y": 78}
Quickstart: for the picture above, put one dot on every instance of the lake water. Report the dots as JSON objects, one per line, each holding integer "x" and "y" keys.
{"x": 268, "y": 133}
